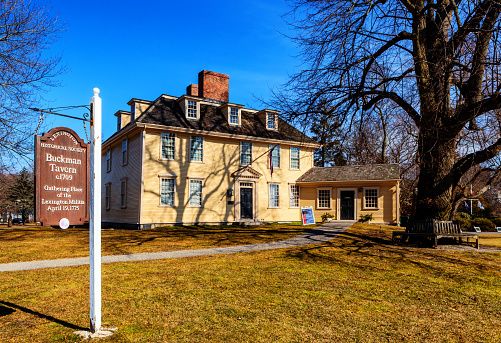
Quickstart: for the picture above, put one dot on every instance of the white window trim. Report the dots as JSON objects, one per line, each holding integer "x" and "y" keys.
{"x": 378, "y": 200}
{"x": 107, "y": 196}
{"x": 197, "y": 104}
{"x": 160, "y": 178}
{"x": 123, "y": 181}
{"x": 175, "y": 143}
{"x": 108, "y": 160}
{"x": 251, "y": 148}
{"x": 318, "y": 198}
{"x": 203, "y": 147}
{"x": 197, "y": 178}
{"x": 277, "y": 146}
{"x": 239, "y": 116}
{"x": 290, "y": 158}
{"x": 124, "y": 163}
{"x": 298, "y": 195}
{"x": 269, "y": 195}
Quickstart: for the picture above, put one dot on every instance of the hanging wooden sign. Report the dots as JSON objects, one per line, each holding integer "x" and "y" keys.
{"x": 61, "y": 178}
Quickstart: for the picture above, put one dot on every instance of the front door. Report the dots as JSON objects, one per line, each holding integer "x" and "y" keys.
{"x": 347, "y": 205}
{"x": 246, "y": 203}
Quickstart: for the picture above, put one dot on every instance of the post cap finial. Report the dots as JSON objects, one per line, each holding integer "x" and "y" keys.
{"x": 96, "y": 91}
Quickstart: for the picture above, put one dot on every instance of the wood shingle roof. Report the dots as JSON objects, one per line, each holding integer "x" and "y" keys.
{"x": 352, "y": 173}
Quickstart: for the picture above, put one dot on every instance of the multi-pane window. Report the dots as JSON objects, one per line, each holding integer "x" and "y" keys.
{"x": 324, "y": 198}
{"x": 123, "y": 193}
{"x": 274, "y": 200}
{"x": 108, "y": 160}
{"x": 107, "y": 196}
{"x": 271, "y": 121}
{"x": 192, "y": 109}
{"x": 246, "y": 153}
{"x": 275, "y": 156}
{"x": 370, "y": 196}
{"x": 293, "y": 196}
{"x": 234, "y": 116}
{"x": 195, "y": 193}
{"x": 167, "y": 191}
{"x": 124, "y": 151}
{"x": 196, "y": 149}
{"x": 168, "y": 145}
{"x": 294, "y": 158}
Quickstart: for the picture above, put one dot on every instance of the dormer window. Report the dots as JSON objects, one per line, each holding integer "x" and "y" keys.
{"x": 192, "y": 111}
{"x": 234, "y": 116}
{"x": 271, "y": 121}
{"x": 133, "y": 112}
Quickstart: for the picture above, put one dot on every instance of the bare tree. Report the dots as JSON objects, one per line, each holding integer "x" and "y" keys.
{"x": 26, "y": 32}
{"x": 438, "y": 61}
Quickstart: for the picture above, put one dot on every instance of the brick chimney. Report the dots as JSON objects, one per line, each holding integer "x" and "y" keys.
{"x": 192, "y": 90}
{"x": 214, "y": 85}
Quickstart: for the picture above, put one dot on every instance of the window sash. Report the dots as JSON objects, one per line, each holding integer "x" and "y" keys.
{"x": 271, "y": 121}
{"x": 195, "y": 193}
{"x": 275, "y": 156}
{"x": 294, "y": 196}
{"x": 168, "y": 145}
{"x": 324, "y": 198}
{"x": 295, "y": 153}
{"x": 167, "y": 189}
{"x": 246, "y": 153}
{"x": 274, "y": 196}
{"x": 234, "y": 116}
{"x": 123, "y": 193}
{"x": 124, "y": 151}
{"x": 108, "y": 160}
{"x": 192, "y": 109}
{"x": 371, "y": 198}
{"x": 107, "y": 196}
{"x": 196, "y": 150}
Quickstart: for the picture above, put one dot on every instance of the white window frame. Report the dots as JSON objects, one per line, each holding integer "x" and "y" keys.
{"x": 174, "y": 189}
{"x": 125, "y": 152}
{"x": 194, "y": 107}
{"x": 107, "y": 196}
{"x": 198, "y": 181}
{"x": 173, "y": 146}
{"x": 192, "y": 138}
{"x": 123, "y": 193}
{"x": 242, "y": 154}
{"x": 294, "y": 198}
{"x": 276, "y": 202}
{"x": 330, "y": 198}
{"x": 275, "y": 155}
{"x": 231, "y": 116}
{"x": 364, "y": 200}
{"x": 269, "y": 121}
{"x": 108, "y": 160}
{"x": 291, "y": 158}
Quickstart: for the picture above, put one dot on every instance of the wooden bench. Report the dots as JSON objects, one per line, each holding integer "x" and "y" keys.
{"x": 434, "y": 229}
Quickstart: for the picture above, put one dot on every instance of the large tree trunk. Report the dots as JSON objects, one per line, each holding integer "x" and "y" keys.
{"x": 436, "y": 184}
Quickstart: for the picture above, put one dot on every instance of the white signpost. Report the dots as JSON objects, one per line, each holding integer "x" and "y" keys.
{"x": 95, "y": 213}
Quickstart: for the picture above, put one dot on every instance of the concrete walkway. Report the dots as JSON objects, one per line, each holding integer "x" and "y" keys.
{"x": 320, "y": 234}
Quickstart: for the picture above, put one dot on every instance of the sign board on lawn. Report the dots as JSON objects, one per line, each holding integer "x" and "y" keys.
{"x": 307, "y": 217}
{"x": 61, "y": 177}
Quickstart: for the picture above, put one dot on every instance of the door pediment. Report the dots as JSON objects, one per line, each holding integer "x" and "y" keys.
{"x": 247, "y": 173}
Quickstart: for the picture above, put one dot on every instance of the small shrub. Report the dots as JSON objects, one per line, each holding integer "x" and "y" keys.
{"x": 366, "y": 217}
{"x": 327, "y": 216}
{"x": 484, "y": 224}
{"x": 463, "y": 215}
{"x": 496, "y": 221}
{"x": 464, "y": 220}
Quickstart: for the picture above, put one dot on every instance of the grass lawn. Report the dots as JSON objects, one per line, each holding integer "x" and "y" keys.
{"x": 357, "y": 288}
{"x": 46, "y": 243}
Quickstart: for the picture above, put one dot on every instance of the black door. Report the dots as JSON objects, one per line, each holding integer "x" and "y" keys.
{"x": 347, "y": 205}
{"x": 246, "y": 203}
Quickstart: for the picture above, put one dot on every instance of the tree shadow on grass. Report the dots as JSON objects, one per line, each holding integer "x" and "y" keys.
{"x": 9, "y": 308}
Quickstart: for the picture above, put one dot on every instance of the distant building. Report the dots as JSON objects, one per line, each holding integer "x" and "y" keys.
{"x": 199, "y": 158}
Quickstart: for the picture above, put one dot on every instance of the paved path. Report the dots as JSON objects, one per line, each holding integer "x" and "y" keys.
{"x": 322, "y": 233}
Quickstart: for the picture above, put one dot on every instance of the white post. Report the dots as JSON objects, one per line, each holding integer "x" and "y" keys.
{"x": 95, "y": 213}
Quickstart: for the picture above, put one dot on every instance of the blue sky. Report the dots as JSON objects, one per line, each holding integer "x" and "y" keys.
{"x": 144, "y": 49}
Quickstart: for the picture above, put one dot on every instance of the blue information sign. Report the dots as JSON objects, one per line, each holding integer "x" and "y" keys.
{"x": 307, "y": 217}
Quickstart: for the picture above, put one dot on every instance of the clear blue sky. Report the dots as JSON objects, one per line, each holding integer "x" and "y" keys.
{"x": 142, "y": 49}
